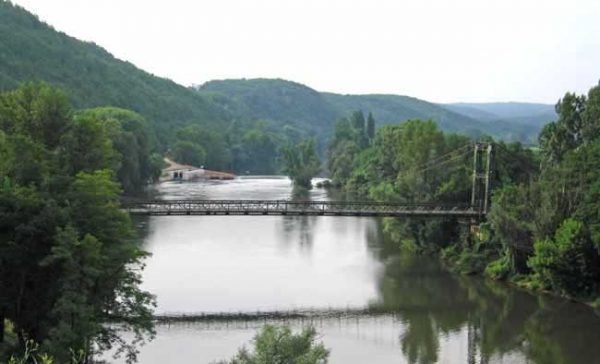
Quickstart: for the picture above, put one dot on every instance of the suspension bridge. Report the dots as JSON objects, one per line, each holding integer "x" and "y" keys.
{"x": 475, "y": 210}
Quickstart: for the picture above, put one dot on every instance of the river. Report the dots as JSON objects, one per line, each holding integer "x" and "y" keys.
{"x": 421, "y": 312}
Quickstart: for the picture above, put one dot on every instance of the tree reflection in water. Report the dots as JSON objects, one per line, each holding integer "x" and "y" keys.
{"x": 299, "y": 229}
{"x": 499, "y": 320}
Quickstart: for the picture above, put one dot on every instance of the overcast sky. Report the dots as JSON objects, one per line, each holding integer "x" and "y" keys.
{"x": 437, "y": 50}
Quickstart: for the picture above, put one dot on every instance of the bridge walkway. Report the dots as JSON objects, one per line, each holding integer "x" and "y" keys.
{"x": 297, "y": 208}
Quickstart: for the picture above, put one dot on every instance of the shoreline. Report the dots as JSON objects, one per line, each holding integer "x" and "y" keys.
{"x": 515, "y": 285}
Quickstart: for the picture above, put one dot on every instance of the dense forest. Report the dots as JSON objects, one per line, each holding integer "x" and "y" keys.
{"x": 90, "y": 76}
{"x": 289, "y": 103}
{"x": 69, "y": 260}
{"x": 542, "y": 229}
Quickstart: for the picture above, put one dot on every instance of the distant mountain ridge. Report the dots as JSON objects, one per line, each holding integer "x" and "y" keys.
{"x": 281, "y": 101}
{"x": 502, "y": 110}
{"x": 515, "y": 120}
{"x": 388, "y": 109}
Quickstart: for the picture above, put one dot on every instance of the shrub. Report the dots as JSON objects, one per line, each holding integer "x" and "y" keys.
{"x": 278, "y": 345}
{"x": 566, "y": 263}
{"x": 499, "y": 268}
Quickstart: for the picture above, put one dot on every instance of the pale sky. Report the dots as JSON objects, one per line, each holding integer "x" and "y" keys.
{"x": 437, "y": 50}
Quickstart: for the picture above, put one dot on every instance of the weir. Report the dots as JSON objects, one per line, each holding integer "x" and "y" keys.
{"x": 293, "y": 314}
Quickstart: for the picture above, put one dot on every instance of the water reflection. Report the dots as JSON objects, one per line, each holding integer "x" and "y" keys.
{"x": 497, "y": 320}
{"x": 299, "y": 230}
{"x": 427, "y": 315}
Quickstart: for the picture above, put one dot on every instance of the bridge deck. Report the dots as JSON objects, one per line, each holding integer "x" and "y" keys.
{"x": 297, "y": 208}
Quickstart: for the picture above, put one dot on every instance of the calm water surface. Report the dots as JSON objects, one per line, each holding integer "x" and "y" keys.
{"x": 262, "y": 263}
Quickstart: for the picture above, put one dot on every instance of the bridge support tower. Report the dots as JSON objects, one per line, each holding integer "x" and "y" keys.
{"x": 483, "y": 160}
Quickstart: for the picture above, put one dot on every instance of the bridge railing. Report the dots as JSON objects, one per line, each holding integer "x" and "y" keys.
{"x": 285, "y": 207}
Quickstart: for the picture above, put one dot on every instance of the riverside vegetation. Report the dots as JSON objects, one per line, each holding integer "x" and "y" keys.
{"x": 543, "y": 229}
{"x": 69, "y": 260}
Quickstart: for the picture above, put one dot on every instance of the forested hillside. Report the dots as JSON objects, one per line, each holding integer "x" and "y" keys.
{"x": 236, "y": 125}
{"x": 203, "y": 129}
{"x": 389, "y": 109}
{"x": 31, "y": 50}
{"x": 289, "y": 103}
{"x": 283, "y": 102}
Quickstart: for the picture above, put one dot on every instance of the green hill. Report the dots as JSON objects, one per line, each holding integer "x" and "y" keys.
{"x": 388, "y": 109}
{"x": 289, "y": 103}
{"x": 286, "y": 102}
{"x": 31, "y": 50}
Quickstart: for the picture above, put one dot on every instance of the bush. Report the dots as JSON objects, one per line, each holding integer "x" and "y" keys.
{"x": 278, "y": 345}
{"x": 566, "y": 263}
{"x": 32, "y": 354}
{"x": 499, "y": 268}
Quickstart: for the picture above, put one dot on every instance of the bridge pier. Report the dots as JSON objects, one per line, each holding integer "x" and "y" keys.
{"x": 482, "y": 176}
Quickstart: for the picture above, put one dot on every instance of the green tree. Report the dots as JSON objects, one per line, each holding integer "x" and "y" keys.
{"x": 567, "y": 263}
{"x": 370, "y": 127}
{"x": 37, "y": 110}
{"x": 512, "y": 223}
{"x": 260, "y": 152}
{"x": 115, "y": 294}
{"x": 348, "y": 141}
{"x": 132, "y": 140}
{"x": 217, "y": 154}
{"x": 189, "y": 153}
{"x": 279, "y": 345}
{"x": 547, "y": 226}
{"x": 301, "y": 163}
{"x": 69, "y": 262}
{"x": 87, "y": 147}
{"x": 357, "y": 120}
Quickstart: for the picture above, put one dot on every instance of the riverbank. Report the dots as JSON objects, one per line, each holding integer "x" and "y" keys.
{"x": 462, "y": 263}
{"x": 522, "y": 284}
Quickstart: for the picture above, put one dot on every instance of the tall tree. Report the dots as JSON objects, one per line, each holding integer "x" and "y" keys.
{"x": 370, "y": 127}
{"x": 301, "y": 163}
{"x": 69, "y": 262}
{"x": 131, "y": 137}
{"x": 357, "y": 120}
